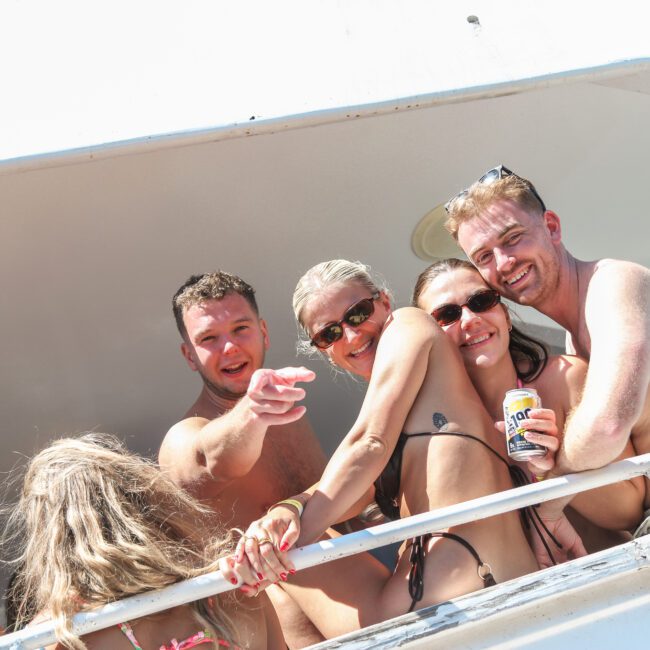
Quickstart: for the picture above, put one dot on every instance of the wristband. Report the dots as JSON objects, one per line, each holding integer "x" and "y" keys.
{"x": 290, "y": 502}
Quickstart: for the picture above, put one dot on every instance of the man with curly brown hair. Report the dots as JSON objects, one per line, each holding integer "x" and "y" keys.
{"x": 244, "y": 444}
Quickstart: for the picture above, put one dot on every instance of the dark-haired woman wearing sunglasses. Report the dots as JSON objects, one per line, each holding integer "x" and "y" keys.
{"x": 422, "y": 440}
{"x": 498, "y": 357}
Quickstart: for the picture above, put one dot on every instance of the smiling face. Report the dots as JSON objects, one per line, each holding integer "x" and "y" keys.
{"x": 355, "y": 350}
{"x": 518, "y": 253}
{"x": 481, "y": 338}
{"x": 226, "y": 342}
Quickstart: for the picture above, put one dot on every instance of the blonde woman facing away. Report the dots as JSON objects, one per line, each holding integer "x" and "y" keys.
{"x": 422, "y": 440}
{"x": 96, "y": 524}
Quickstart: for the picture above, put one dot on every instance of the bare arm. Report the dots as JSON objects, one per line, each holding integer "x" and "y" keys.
{"x": 618, "y": 506}
{"x": 206, "y": 455}
{"x": 617, "y": 314}
{"x": 398, "y": 372}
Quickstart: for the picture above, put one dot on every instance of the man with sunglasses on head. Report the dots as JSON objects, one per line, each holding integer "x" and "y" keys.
{"x": 244, "y": 444}
{"x": 516, "y": 244}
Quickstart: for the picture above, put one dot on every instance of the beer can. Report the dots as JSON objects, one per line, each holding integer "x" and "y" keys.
{"x": 516, "y": 407}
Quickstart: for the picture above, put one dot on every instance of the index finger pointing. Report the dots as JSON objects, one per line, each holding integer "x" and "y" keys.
{"x": 293, "y": 375}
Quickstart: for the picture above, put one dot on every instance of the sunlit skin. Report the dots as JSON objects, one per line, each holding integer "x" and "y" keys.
{"x": 517, "y": 253}
{"x": 417, "y": 384}
{"x": 226, "y": 343}
{"x": 356, "y": 349}
{"x": 481, "y": 338}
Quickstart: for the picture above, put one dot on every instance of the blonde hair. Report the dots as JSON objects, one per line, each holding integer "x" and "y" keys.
{"x": 324, "y": 275}
{"x": 96, "y": 523}
{"x": 479, "y": 196}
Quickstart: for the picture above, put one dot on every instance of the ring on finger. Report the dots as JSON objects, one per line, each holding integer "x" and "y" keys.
{"x": 264, "y": 540}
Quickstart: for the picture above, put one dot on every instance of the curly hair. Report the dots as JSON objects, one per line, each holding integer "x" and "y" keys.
{"x": 209, "y": 286}
{"x": 528, "y": 354}
{"x": 96, "y": 523}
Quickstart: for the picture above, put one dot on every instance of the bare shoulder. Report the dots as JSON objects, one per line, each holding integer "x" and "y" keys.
{"x": 620, "y": 276}
{"x": 107, "y": 639}
{"x": 179, "y": 448}
{"x": 560, "y": 364}
{"x": 563, "y": 372}
{"x": 417, "y": 320}
{"x": 413, "y": 315}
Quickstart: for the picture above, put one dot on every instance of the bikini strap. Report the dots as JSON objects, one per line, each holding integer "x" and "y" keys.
{"x": 529, "y": 515}
{"x": 417, "y": 558}
{"x": 127, "y": 630}
{"x": 460, "y": 434}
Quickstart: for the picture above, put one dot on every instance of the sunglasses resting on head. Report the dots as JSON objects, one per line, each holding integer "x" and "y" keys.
{"x": 491, "y": 176}
{"x": 477, "y": 303}
{"x": 355, "y": 315}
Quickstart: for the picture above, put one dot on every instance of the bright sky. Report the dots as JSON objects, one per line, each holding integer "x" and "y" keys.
{"x": 82, "y": 72}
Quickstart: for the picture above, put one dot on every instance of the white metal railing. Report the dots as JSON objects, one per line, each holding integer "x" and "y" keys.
{"x": 325, "y": 551}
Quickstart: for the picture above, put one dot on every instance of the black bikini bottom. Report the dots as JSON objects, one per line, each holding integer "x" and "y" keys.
{"x": 387, "y": 493}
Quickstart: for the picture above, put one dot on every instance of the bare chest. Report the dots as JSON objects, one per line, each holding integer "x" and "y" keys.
{"x": 281, "y": 471}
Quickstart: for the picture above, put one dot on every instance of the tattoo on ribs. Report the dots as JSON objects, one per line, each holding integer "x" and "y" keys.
{"x": 439, "y": 421}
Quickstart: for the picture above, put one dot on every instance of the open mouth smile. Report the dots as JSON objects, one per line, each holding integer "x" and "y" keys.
{"x": 476, "y": 340}
{"x": 361, "y": 350}
{"x": 516, "y": 278}
{"x": 234, "y": 369}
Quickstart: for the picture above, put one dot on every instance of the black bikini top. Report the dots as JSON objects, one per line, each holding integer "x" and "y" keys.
{"x": 388, "y": 484}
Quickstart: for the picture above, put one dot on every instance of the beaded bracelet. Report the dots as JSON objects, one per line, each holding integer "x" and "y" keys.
{"x": 290, "y": 502}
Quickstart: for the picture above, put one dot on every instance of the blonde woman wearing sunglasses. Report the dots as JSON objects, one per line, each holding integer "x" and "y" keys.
{"x": 422, "y": 440}
{"x": 499, "y": 357}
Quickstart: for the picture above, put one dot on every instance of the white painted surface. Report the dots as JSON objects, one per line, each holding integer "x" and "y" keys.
{"x": 598, "y": 602}
{"x": 77, "y": 73}
{"x": 93, "y": 252}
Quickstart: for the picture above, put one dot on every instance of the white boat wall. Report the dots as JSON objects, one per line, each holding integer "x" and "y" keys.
{"x": 598, "y": 602}
{"x": 264, "y": 145}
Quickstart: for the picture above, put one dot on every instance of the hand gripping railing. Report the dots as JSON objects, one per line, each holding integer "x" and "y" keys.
{"x": 325, "y": 551}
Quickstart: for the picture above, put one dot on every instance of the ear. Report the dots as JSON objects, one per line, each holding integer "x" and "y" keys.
{"x": 385, "y": 301}
{"x": 506, "y": 311}
{"x": 265, "y": 333}
{"x": 552, "y": 224}
{"x": 187, "y": 352}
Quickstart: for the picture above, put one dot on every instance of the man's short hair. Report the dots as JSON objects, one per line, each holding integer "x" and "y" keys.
{"x": 479, "y": 196}
{"x": 209, "y": 286}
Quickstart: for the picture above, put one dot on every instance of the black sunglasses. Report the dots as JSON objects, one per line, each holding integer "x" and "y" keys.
{"x": 493, "y": 175}
{"x": 478, "y": 303}
{"x": 358, "y": 313}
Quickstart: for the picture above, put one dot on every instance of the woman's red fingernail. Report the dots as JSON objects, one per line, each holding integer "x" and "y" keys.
{"x": 284, "y": 546}
{"x": 284, "y": 577}
{"x": 260, "y": 576}
{"x": 292, "y": 571}
{"x": 233, "y": 580}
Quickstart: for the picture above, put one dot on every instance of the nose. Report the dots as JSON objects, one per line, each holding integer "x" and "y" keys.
{"x": 349, "y": 332}
{"x": 229, "y": 346}
{"x": 468, "y": 317}
{"x": 502, "y": 260}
